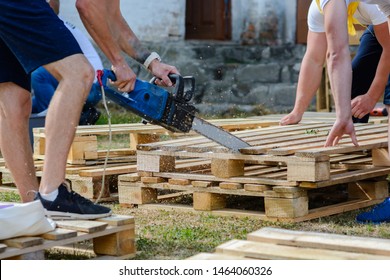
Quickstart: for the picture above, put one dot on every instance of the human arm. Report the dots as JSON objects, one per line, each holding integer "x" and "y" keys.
{"x": 339, "y": 70}
{"x": 105, "y": 23}
{"x": 310, "y": 76}
{"x": 363, "y": 104}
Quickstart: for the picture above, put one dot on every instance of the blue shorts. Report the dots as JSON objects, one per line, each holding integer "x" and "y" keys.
{"x": 31, "y": 35}
{"x": 364, "y": 66}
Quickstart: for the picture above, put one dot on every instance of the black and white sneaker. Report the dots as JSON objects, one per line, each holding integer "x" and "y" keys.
{"x": 71, "y": 205}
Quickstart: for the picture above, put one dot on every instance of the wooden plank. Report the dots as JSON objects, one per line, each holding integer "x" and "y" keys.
{"x": 59, "y": 234}
{"x": 173, "y": 195}
{"x": 115, "y": 170}
{"x": 334, "y": 209}
{"x": 117, "y": 220}
{"x": 231, "y": 186}
{"x": 133, "y": 177}
{"x": 176, "y": 181}
{"x": 260, "y": 250}
{"x": 242, "y": 180}
{"x": 83, "y": 226}
{"x": 256, "y": 188}
{"x": 23, "y": 242}
{"x": 348, "y": 176}
{"x": 152, "y": 180}
{"x": 306, "y": 239}
{"x": 202, "y": 184}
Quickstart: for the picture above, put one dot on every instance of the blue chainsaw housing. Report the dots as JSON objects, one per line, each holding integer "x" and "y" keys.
{"x": 153, "y": 103}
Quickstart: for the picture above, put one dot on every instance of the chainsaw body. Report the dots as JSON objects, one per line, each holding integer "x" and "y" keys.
{"x": 155, "y": 104}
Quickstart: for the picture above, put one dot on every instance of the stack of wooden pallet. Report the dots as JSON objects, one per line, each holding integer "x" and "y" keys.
{"x": 91, "y": 148}
{"x": 281, "y": 244}
{"x": 112, "y": 238}
{"x": 284, "y": 169}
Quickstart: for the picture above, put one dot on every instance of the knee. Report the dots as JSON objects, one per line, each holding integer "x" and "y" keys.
{"x": 18, "y": 109}
{"x": 88, "y": 74}
{"x": 88, "y": 78}
{"x": 83, "y": 76}
{"x": 84, "y": 70}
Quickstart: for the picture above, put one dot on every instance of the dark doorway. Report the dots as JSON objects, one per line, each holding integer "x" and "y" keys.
{"x": 302, "y": 9}
{"x": 208, "y": 20}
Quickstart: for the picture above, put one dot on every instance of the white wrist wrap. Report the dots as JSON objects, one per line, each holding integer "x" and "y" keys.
{"x": 150, "y": 58}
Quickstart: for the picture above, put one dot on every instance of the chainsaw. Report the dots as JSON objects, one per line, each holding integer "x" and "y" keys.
{"x": 167, "y": 107}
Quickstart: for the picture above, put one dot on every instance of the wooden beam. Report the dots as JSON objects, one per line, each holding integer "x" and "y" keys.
{"x": 227, "y": 168}
{"x": 286, "y": 207}
{"x": 154, "y": 163}
{"x": 208, "y": 201}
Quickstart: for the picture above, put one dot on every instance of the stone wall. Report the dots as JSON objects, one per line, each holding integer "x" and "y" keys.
{"x": 231, "y": 77}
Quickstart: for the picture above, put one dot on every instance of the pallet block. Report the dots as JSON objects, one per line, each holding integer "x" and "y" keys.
{"x": 281, "y": 244}
{"x": 112, "y": 237}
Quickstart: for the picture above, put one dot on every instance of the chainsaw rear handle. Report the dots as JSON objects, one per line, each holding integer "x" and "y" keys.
{"x": 184, "y": 87}
{"x": 178, "y": 85}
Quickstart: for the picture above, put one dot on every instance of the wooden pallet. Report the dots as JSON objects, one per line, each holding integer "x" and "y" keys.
{"x": 85, "y": 147}
{"x": 298, "y": 147}
{"x": 85, "y": 180}
{"x": 265, "y": 202}
{"x": 281, "y": 244}
{"x": 282, "y": 169}
{"x": 112, "y": 238}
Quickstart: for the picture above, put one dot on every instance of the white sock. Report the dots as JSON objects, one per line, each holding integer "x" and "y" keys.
{"x": 50, "y": 196}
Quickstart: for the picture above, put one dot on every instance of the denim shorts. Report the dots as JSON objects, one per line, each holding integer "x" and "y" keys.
{"x": 31, "y": 35}
{"x": 365, "y": 63}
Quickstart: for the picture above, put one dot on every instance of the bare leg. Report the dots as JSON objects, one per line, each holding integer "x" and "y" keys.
{"x": 75, "y": 76}
{"x": 15, "y": 108}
